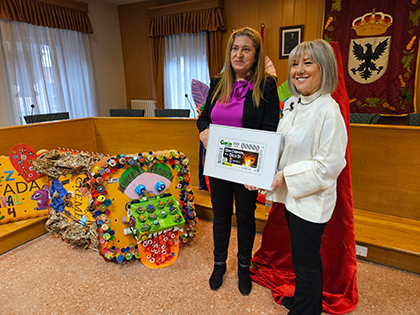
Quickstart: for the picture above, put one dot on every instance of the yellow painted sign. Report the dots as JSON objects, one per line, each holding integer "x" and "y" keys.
{"x": 19, "y": 199}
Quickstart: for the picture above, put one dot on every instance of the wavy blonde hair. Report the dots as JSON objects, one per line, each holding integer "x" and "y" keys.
{"x": 256, "y": 75}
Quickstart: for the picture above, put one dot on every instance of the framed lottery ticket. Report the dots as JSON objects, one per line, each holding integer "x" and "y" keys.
{"x": 244, "y": 156}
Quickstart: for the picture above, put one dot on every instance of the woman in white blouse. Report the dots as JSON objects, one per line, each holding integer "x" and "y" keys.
{"x": 312, "y": 157}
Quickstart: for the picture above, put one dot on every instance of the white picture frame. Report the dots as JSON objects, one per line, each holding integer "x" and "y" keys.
{"x": 241, "y": 155}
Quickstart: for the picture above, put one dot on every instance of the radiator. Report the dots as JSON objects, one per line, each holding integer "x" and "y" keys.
{"x": 148, "y": 106}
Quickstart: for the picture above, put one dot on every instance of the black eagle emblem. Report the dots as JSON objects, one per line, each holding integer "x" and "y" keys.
{"x": 367, "y": 67}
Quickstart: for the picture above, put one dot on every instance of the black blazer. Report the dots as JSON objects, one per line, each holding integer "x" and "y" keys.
{"x": 265, "y": 117}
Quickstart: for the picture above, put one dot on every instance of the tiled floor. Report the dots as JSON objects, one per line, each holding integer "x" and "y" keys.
{"x": 48, "y": 276}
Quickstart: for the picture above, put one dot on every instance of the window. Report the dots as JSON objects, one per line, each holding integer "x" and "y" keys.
{"x": 185, "y": 59}
{"x": 48, "y": 68}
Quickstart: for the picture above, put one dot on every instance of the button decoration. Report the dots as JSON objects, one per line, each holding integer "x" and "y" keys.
{"x": 158, "y": 221}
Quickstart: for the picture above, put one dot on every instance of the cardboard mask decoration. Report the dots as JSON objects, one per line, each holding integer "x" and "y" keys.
{"x": 144, "y": 206}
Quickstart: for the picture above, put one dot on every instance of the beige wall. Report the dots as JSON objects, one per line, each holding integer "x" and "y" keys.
{"x": 107, "y": 57}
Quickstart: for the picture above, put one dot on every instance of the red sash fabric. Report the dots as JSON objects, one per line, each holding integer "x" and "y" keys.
{"x": 273, "y": 260}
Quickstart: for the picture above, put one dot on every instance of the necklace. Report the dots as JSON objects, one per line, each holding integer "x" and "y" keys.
{"x": 300, "y": 100}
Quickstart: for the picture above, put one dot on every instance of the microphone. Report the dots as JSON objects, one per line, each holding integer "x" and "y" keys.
{"x": 32, "y": 112}
{"x": 192, "y": 108}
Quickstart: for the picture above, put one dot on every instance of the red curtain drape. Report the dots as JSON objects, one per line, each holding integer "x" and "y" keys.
{"x": 273, "y": 260}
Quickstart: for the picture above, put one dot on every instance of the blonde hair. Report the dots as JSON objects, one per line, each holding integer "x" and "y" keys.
{"x": 256, "y": 75}
{"x": 320, "y": 52}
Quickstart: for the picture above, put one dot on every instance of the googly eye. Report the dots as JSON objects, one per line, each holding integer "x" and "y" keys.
{"x": 140, "y": 189}
{"x": 160, "y": 186}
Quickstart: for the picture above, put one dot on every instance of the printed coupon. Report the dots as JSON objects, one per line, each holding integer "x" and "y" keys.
{"x": 241, "y": 155}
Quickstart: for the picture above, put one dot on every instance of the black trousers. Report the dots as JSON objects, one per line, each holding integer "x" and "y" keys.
{"x": 306, "y": 238}
{"x": 222, "y": 195}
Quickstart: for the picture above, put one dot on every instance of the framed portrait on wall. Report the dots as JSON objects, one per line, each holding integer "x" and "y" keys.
{"x": 290, "y": 37}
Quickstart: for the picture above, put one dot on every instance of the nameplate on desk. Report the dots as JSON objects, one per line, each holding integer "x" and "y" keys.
{"x": 241, "y": 155}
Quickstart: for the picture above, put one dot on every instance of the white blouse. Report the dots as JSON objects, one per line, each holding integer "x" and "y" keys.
{"x": 312, "y": 156}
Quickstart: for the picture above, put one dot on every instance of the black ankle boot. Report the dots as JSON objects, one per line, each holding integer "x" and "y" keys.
{"x": 245, "y": 284}
{"x": 216, "y": 278}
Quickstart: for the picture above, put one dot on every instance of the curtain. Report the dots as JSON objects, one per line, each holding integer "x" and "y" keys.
{"x": 214, "y": 52}
{"x": 185, "y": 59}
{"x": 212, "y": 21}
{"x": 158, "y": 61}
{"x": 70, "y": 15}
{"x": 48, "y": 68}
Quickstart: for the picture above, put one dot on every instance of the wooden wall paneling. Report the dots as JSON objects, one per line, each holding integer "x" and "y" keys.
{"x": 255, "y": 16}
{"x": 300, "y": 12}
{"x": 73, "y": 134}
{"x": 417, "y": 85}
{"x": 273, "y": 17}
{"x": 132, "y": 135}
{"x": 137, "y": 52}
{"x": 314, "y": 19}
{"x": 385, "y": 166}
{"x": 137, "y": 47}
{"x": 288, "y": 19}
{"x": 232, "y": 13}
{"x": 288, "y": 14}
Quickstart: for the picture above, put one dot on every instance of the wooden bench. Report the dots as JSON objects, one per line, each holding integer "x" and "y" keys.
{"x": 390, "y": 240}
{"x": 14, "y": 234}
